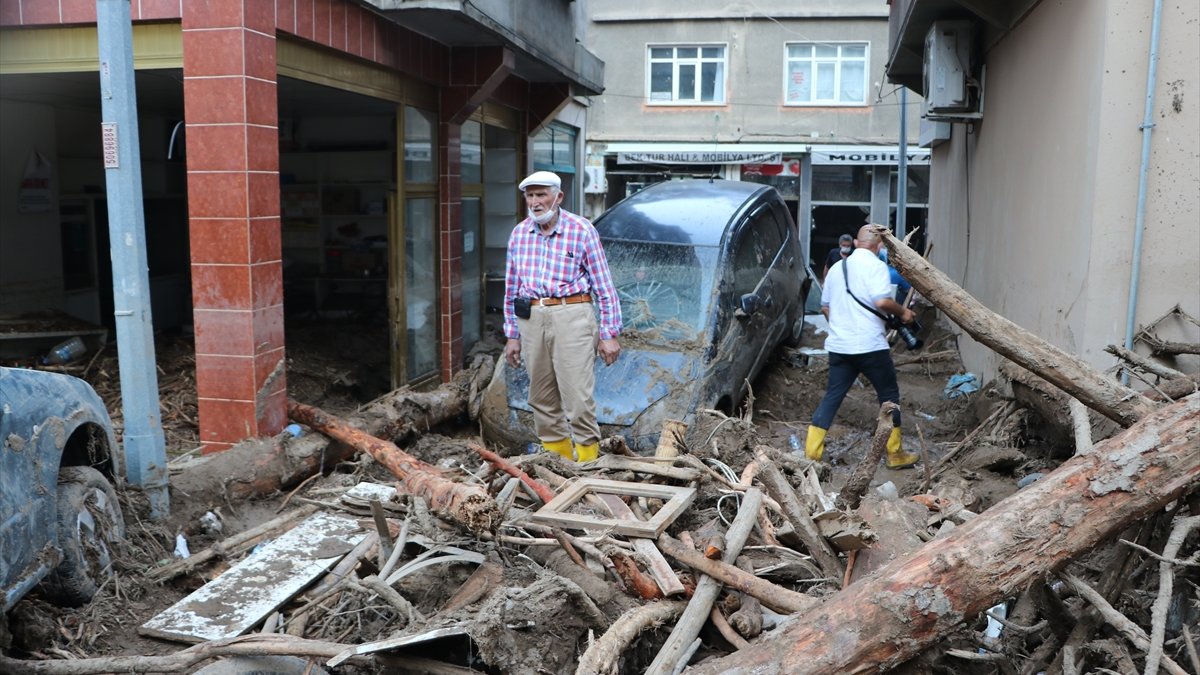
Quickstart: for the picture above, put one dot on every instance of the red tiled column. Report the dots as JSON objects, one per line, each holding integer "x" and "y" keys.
{"x": 229, "y": 94}
{"x": 450, "y": 233}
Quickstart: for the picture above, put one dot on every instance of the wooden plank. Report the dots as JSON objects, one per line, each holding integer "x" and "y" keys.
{"x": 554, "y": 513}
{"x": 249, "y": 591}
{"x": 659, "y": 568}
{"x": 648, "y": 465}
{"x": 394, "y": 643}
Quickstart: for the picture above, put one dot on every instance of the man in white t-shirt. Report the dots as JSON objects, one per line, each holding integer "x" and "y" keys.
{"x": 857, "y": 342}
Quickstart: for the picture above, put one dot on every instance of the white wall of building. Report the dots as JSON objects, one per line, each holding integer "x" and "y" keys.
{"x": 1032, "y": 209}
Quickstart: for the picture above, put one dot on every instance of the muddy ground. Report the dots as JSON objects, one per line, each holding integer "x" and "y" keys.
{"x": 341, "y": 371}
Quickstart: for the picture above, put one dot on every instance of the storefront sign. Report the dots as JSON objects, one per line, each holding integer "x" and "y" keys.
{"x": 699, "y": 157}
{"x": 788, "y": 168}
{"x": 865, "y": 156}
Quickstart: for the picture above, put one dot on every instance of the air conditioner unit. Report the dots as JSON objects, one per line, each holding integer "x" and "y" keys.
{"x": 950, "y": 90}
{"x": 594, "y": 182}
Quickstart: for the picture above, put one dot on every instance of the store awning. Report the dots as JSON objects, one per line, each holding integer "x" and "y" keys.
{"x": 633, "y": 152}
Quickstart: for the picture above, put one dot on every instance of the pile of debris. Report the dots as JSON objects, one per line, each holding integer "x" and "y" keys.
{"x": 718, "y": 551}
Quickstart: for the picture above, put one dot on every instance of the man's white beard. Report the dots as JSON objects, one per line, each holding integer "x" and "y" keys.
{"x": 544, "y": 217}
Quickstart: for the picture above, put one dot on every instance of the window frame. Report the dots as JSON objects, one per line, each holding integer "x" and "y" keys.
{"x": 697, "y": 61}
{"x": 837, "y": 74}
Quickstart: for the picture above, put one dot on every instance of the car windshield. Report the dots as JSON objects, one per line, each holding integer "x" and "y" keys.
{"x": 666, "y": 289}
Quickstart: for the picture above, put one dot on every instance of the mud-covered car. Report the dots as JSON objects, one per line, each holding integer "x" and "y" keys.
{"x": 711, "y": 278}
{"x": 59, "y": 515}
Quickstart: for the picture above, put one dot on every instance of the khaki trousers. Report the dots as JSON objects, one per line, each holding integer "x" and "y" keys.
{"x": 558, "y": 344}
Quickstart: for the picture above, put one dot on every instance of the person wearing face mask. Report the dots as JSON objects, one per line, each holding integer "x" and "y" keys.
{"x": 844, "y": 249}
{"x": 854, "y": 300}
{"x": 555, "y": 271}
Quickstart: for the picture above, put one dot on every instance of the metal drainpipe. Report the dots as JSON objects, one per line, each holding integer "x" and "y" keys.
{"x": 1139, "y": 226}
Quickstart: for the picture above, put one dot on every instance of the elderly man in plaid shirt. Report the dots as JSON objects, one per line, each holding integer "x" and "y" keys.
{"x": 556, "y": 270}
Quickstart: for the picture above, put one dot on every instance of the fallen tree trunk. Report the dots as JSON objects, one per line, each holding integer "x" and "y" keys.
{"x": 1121, "y": 404}
{"x": 468, "y": 505}
{"x": 882, "y": 621}
{"x": 258, "y": 467}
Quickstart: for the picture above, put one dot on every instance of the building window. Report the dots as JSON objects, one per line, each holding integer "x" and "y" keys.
{"x": 692, "y": 74}
{"x": 826, "y": 74}
{"x": 554, "y": 150}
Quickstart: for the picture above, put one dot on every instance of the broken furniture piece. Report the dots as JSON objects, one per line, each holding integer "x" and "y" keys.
{"x": 556, "y": 512}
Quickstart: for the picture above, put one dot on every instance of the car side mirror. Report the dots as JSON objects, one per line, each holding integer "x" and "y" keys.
{"x": 750, "y": 303}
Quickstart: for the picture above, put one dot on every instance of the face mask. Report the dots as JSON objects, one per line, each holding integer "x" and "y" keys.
{"x": 543, "y": 218}
{"x": 845, "y": 250}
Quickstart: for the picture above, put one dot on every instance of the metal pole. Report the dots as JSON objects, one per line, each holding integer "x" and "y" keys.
{"x": 1139, "y": 226}
{"x": 902, "y": 169}
{"x": 145, "y": 455}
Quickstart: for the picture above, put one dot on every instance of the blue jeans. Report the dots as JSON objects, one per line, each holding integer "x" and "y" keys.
{"x": 844, "y": 368}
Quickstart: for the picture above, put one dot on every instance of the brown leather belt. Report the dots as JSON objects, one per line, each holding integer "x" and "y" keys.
{"x": 568, "y": 300}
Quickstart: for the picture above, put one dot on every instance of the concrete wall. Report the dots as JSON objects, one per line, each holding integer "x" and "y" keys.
{"x": 31, "y": 276}
{"x": 754, "y": 110}
{"x": 1032, "y": 209}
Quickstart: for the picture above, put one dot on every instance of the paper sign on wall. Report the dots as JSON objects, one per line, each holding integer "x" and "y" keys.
{"x": 34, "y": 194}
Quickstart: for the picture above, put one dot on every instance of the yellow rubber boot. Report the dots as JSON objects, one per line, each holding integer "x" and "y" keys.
{"x": 561, "y": 448}
{"x": 814, "y": 443}
{"x": 587, "y": 453}
{"x": 896, "y": 457}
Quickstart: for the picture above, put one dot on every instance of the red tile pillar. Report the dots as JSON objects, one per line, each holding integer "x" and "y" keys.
{"x": 450, "y": 234}
{"x": 229, "y": 96}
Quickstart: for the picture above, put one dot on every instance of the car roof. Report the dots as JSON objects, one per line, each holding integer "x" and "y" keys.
{"x": 696, "y": 212}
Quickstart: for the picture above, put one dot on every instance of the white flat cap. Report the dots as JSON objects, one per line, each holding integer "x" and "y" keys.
{"x": 546, "y": 178}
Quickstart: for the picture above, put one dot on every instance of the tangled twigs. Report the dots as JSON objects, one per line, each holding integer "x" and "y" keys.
{"x": 1119, "y": 621}
{"x": 1166, "y": 581}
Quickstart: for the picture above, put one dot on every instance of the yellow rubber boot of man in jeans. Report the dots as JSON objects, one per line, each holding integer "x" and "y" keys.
{"x": 814, "y": 443}
{"x": 561, "y": 448}
{"x": 896, "y": 457}
{"x": 587, "y": 453}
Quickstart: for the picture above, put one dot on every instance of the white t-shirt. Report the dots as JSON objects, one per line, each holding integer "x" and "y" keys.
{"x": 853, "y": 329}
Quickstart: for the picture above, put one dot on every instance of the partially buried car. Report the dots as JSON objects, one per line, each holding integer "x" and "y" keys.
{"x": 59, "y": 516}
{"x": 711, "y": 278}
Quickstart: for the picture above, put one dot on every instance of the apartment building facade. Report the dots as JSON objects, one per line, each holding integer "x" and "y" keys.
{"x": 791, "y": 94}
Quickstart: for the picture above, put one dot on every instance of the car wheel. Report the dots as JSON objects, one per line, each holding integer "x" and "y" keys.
{"x": 795, "y": 332}
{"x": 89, "y": 523}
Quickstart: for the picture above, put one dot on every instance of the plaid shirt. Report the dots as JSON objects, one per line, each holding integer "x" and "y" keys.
{"x": 566, "y": 262}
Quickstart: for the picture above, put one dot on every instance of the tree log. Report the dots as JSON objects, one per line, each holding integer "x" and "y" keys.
{"x": 1148, "y": 365}
{"x": 880, "y": 622}
{"x": 860, "y": 478}
{"x": 258, "y": 467}
{"x": 776, "y": 597}
{"x": 801, "y": 520}
{"x": 467, "y": 505}
{"x": 1121, "y": 404}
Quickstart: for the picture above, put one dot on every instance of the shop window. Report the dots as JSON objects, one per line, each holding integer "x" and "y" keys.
{"x": 472, "y": 152}
{"x": 848, "y": 183}
{"x": 420, "y": 287}
{"x": 472, "y": 272}
{"x": 686, "y": 74}
{"x": 918, "y": 185}
{"x": 826, "y": 74}
{"x": 419, "y": 146}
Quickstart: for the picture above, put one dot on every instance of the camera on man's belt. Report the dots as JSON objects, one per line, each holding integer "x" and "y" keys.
{"x": 908, "y": 332}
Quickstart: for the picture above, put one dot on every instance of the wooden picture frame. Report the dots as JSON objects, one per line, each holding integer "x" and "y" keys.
{"x": 677, "y": 499}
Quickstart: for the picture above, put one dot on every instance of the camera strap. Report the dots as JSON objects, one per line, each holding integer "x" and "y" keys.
{"x": 846, "y": 275}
